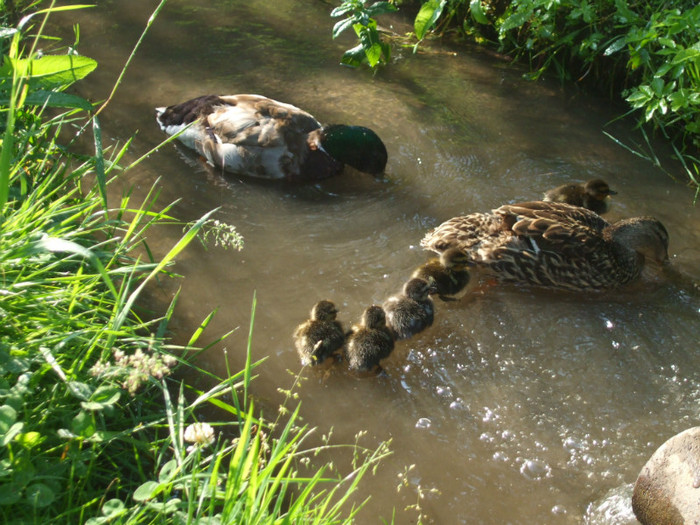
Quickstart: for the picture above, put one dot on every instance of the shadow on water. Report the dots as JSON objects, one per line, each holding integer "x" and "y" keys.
{"x": 516, "y": 406}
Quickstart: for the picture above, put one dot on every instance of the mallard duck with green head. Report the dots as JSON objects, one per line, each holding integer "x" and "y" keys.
{"x": 593, "y": 195}
{"x": 370, "y": 341}
{"x": 321, "y": 336}
{"x": 553, "y": 245}
{"x": 412, "y": 310}
{"x": 449, "y": 272}
{"x": 260, "y": 137}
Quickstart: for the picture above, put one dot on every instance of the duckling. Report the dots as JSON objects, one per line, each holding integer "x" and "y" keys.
{"x": 321, "y": 336}
{"x": 553, "y": 245}
{"x": 260, "y": 137}
{"x": 593, "y": 195}
{"x": 411, "y": 311}
{"x": 449, "y": 272}
{"x": 370, "y": 341}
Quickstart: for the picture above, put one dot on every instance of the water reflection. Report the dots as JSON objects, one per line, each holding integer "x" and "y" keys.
{"x": 515, "y": 406}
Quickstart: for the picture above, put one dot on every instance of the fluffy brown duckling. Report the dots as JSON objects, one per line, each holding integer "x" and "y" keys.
{"x": 593, "y": 195}
{"x": 370, "y": 341}
{"x": 449, "y": 272}
{"x": 321, "y": 336}
{"x": 411, "y": 311}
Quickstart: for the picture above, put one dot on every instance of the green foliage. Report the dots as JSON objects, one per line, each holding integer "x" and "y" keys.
{"x": 647, "y": 53}
{"x": 371, "y": 50}
{"x": 429, "y": 13}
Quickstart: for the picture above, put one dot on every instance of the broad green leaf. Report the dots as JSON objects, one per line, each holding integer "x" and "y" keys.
{"x": 341, "y": 10}
{"x": 168, "y": 471}
{"x": 8, "y": 416}
{"x": 374, "y": 54}
{"x": 10, "y": 434}
{"x": 649, "y": 112}
{"x": 147, "y": 491}
{"x": 83, "y": 425}
{"x": 341, "y": 26}
{"x": 371, "y": 43}
{"x": 513, "y": 21}
{"x": 57, "y": 99}
{"x": 637, "y": 98}
{"x": 354, "y": 57}
{"x": 685, "y": 55}
{"x": 113, "y": 508}
{"x": 369, "y": 39}
{"x": 427, "y": 16}
{"x": 40, "y": 495}
{"x": 678, "y": 71}
{"x": 80, "y": 390}
{"x": 107, "y": 395}
{"x": 624, "y": 13}
{"x": 10, "y": 493}
{"x": 615, "y": 46}
{"x": 100, "y": 520}
{"x": 678, "y": 100}
{"x": 102, "y": 436}
{"x": 477, "y": 11}
{"x": 91, "y": 406}
{"x": 658, "y": 86}
{"x": 51, "y": 70}
{"x": 29, "y": 439}
{"x": 381, "y": 8}
{"x": 663, "y": 69}
{"x": 167, "y": 507}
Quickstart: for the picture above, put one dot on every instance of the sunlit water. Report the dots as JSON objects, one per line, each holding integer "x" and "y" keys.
{"x": 516, "y": 406}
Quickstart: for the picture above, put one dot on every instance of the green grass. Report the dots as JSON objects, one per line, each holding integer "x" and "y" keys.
{"x": 93, "y": 426}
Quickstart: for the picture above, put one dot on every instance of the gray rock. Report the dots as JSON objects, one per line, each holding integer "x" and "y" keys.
{"x": 667, "y": 490}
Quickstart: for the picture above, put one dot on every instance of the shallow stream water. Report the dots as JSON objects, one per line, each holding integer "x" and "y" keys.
{"x": 516, "y": 406}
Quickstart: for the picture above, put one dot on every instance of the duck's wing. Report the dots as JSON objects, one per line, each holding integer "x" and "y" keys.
{"x": 554, "y": 223}
{"x": 463, "y": 232}
{"x": 254, "y": 120}
{"x": 246, "y": 134}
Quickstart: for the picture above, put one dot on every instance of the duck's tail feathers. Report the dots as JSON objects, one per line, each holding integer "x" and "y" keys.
{"x": 159, "y": 114}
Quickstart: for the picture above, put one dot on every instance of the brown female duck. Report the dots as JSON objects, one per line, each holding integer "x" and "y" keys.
{"x": 553, "y": 245}
{"x": 260, "y": 137}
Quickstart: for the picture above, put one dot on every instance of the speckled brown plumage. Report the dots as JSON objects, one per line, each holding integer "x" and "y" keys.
{"x": 553, "y": 245}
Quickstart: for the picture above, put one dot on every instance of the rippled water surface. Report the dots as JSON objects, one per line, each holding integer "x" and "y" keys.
{"x": 516, "y": 406}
